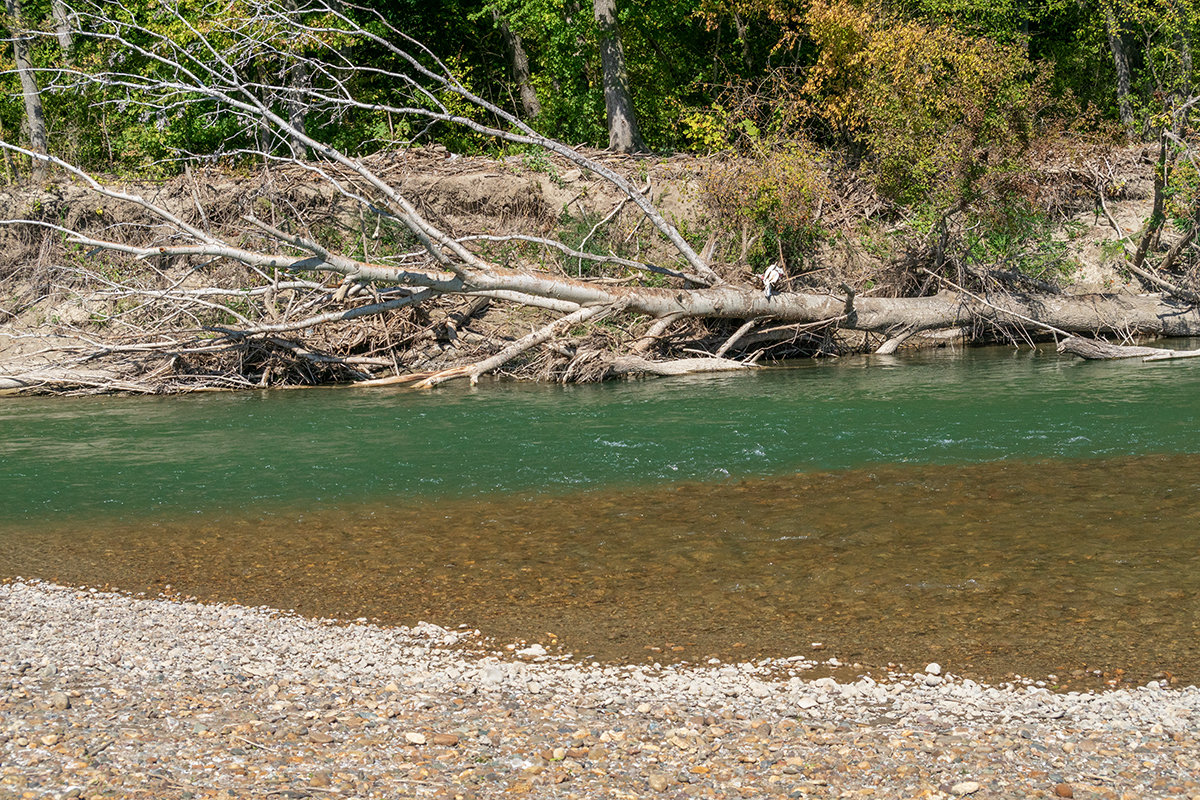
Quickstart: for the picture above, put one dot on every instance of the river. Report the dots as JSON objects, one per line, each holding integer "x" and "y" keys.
{"x": 1001, "y": 512}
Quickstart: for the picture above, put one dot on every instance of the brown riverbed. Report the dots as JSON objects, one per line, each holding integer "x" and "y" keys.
{"x": 993, "y": 569}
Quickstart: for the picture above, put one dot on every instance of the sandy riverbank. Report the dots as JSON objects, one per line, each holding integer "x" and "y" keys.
{"x": 103, "y": 695}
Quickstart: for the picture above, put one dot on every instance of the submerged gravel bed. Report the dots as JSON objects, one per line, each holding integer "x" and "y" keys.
{"x": 104, "y": 695}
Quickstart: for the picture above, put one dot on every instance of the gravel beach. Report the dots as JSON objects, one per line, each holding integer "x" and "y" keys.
{"x": 104, "y": 695}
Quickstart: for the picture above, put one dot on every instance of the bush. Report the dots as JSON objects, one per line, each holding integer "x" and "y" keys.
{"x": 776, "y": 192}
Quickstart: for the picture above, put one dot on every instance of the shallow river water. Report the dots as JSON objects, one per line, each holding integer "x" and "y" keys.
{"x": 997, "y": 512}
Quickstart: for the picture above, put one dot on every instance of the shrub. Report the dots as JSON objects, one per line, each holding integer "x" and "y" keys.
{"x": 776, "y": 191}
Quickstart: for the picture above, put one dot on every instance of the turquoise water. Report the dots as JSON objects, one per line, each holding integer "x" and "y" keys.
{"x": 995, "y": 511}
{"x": 120, "y": 457}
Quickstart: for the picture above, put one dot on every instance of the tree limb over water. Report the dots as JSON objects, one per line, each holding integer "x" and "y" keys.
{"x": 605, "y": 324}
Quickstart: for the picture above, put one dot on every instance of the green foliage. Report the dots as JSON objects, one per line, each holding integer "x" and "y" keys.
{"x": 1182, "y": 191}
{"x": 705, "y": 74}
{"x": 776, "y": 192}
{"x": 942, "y": 116}
{"x": 1023, "y": 239}
{"x": 561, "y": 41}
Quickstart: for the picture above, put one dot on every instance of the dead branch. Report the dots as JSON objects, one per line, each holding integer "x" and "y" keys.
{"x": 1035, "y": 322}
{"x": 473, "y": 371}
{"x": 735, "y": 338}
{"x": 1095, "y": 349}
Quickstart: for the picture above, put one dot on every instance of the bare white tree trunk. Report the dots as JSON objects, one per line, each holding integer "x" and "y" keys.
{"x": 297, "y": 80}
{"x": 623, "y": 134}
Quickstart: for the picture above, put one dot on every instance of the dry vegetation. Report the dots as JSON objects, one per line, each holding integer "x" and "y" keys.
{"x": 82, "y": 319}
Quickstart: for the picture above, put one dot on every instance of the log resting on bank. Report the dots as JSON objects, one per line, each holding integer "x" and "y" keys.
{"x": 1143, "y": 314}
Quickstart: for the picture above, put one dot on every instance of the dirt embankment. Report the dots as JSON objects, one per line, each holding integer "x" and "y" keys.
{"x": 73, "y": 310}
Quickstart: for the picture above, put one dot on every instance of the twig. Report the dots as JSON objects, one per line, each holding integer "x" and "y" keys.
{"x": 973, "y": 296}
{"x": 616, "y": 210}
{"x": 737, "y": 335}
{"x": 473, "y": 371}
{"x": 256, "y": 744}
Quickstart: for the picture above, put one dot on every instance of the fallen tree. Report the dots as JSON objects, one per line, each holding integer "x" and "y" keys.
{"x": 283, "y": 293}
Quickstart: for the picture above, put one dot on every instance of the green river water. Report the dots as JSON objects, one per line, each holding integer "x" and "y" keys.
{"x": 999, "y": 512}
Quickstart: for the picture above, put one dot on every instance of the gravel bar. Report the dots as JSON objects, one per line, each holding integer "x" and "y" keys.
{"x": 104, "y": 695}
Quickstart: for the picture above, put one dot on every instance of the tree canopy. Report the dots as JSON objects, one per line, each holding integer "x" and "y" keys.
{"x": 703, "y": 74}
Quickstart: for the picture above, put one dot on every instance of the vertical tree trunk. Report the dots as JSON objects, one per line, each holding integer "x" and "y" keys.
{"x": 1121, "y": 62}
{"x": 530, "y": 107}
{"x": 34, "y": 115}
{"x": 623, "y": 134}
{"x": 62, "y": 26}
{"x": 743, "y": 32}
{"x": 298, "y": 81}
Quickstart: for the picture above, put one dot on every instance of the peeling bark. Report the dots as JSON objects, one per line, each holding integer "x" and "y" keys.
{"x": 62, "y": 26}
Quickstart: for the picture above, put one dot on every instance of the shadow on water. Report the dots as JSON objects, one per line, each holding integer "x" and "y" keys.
{"x": 1033, "y": 568}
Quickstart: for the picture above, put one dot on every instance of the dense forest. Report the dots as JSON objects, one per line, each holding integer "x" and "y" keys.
{"x": 702, "y": 74}
{"x": 954, "y": 137}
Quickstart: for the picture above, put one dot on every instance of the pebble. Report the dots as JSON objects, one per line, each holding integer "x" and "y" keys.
{"x": 1064, "y": 790}
{"x": 216, "y": 702}
{"x": 658, "y": 782}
